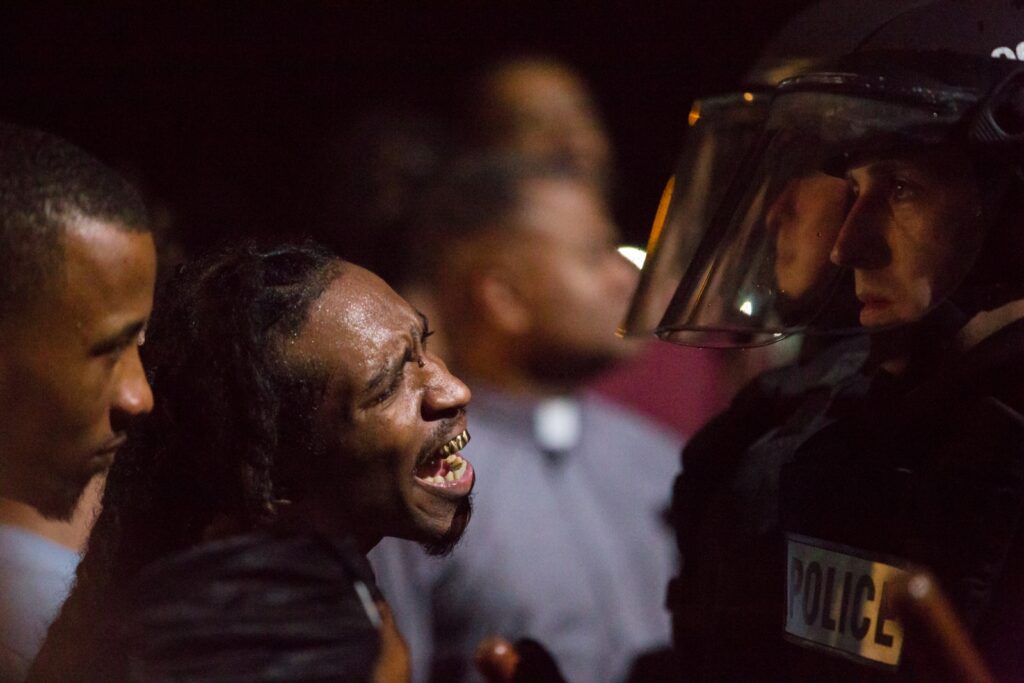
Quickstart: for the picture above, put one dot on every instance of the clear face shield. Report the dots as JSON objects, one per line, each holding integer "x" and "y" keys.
{"x": 855, "y": 213}
{"x": 722, "y": 131}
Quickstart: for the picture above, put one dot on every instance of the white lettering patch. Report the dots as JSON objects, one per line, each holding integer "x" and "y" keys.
{"x": 1004, "y": 52}
{"x": 840, "y": 601}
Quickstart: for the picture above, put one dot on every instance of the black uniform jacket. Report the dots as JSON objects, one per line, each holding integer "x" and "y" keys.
{"x": 814, "y": 472}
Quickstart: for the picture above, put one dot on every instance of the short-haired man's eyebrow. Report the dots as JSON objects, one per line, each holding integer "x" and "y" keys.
{"x": 120, "y": 339}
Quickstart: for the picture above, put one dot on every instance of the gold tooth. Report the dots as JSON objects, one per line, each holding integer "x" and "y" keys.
{"x": 455, "y": 445}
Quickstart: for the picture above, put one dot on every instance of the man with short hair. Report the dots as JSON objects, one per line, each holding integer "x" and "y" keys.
{"x": 77, "y": 271}
{"x": 567, "y": 545}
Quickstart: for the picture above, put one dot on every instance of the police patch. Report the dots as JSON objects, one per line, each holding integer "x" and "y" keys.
{"x": 840, "y": 600}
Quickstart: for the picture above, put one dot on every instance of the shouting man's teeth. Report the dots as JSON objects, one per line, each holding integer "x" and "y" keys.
{"x": 456, "y": 444}
{"x": 446, "y": 466}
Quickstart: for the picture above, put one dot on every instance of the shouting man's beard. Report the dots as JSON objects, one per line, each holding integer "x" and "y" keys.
{"x": 444, "y": 545}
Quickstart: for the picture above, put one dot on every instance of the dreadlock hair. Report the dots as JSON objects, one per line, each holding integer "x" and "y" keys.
{"x": 230, "y": 434}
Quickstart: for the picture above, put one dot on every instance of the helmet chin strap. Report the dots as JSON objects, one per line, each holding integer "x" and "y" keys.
{"x": 921, "y": 342}
{"x": 958, "y": 321}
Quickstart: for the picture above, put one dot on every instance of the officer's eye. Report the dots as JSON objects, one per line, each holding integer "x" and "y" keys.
{"x": 852, "y": 187}
{"x": 902, "y": 190}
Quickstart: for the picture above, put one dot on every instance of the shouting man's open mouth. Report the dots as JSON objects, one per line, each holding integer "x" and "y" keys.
{"x": 445, "y": 472}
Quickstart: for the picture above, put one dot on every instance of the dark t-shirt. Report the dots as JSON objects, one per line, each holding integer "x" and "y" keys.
{"x": 258, "y": 607}
{"x": 927, "y": 469}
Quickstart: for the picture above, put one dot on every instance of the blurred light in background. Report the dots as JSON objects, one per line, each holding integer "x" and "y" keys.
{"x": 634, "y": 255}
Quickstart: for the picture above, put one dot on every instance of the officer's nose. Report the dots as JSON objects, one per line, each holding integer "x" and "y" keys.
{"x": 445, "y": 393}
{"x": 132, "y": 395}
{"x": 861, "y": 243}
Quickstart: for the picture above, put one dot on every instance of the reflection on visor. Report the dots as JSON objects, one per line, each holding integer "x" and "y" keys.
{"x": 805, "y": 219}
{"x": 634, "y": 255}
{"x": 850, "y": 218}
{"x": 721, "y": 132}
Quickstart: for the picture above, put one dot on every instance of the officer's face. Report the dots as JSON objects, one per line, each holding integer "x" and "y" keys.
{"x": 910, "y": 234}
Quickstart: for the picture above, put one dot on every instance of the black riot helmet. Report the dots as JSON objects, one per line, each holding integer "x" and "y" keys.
{"x": 884, "y": 190}
{"x": 722, "y": 129}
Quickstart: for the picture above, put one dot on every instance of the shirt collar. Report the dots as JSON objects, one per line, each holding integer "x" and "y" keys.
{"x": 554, "y": 423}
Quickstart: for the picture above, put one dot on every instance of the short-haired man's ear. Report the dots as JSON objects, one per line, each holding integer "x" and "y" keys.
{"x": 501, "y": 302}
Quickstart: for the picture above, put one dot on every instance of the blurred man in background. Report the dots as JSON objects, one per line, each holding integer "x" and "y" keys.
{"x": 540, "y": 108}
{"x": 543, "y": 109}
{"x": 568, "y": 543}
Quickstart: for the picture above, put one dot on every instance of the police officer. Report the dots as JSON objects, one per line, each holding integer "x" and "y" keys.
{"x": 891, "y": 183}
{"x": 721, "y": 128}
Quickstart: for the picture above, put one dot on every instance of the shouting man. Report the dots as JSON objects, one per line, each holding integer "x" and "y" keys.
{"x": 300, "y": 418}
{"x": 568, "y": 545}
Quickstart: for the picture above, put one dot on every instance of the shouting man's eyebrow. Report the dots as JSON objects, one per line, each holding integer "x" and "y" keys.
{"x": 391, "y": 370}
{"x": 123, "y": 337}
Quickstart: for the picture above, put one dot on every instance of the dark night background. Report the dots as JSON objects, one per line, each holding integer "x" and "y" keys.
{"x": 222, "y": 110}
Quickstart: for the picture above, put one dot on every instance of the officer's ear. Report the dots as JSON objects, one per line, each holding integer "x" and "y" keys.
{"x": 502, "y": 302}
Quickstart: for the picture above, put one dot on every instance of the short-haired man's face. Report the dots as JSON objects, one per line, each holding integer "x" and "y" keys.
{"x": 576, "y": 285}
{"x": 70, "y": 375}
{"x": 911, "y": 233}
{"x": 392, "y": 417}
